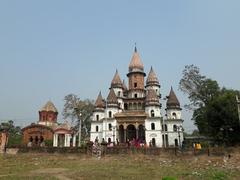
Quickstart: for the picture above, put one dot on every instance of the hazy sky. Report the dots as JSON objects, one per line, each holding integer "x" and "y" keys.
{"x": 49, "y": 49}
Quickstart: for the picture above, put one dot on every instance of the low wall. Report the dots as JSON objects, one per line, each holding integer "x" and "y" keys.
{"x": 52, "y": 150}
{"x": 219, "y": 151}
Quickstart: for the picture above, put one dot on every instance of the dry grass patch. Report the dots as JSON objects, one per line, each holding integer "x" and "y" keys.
{"x": 59, "y": 166}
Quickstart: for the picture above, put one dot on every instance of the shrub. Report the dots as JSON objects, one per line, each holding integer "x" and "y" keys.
{"x": 48, "y": 143}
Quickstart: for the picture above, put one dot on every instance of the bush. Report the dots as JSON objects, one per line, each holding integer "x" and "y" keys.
{"x": 14, "y": 140}
{"x": 48, "y": 143}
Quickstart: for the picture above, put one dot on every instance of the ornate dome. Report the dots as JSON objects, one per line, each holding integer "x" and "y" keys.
{"x": 136, "y": 63}
{"x": 172, "y": 101}
{"x": 112, "y": 98}
{"x": 99, "y": 102}
{"x": 116, "y": 82}
{"x": 152, "y": 78}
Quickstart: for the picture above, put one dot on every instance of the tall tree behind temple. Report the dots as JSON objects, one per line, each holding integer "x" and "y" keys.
{"x": 214, "y": 109}
{"x": 78, "y": 110}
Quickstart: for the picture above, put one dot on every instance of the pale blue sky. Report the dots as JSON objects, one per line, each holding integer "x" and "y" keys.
{"x": 49, "y": 49}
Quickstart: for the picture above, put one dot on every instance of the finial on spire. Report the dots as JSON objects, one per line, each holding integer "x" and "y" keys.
{"x": 135, "y": 49}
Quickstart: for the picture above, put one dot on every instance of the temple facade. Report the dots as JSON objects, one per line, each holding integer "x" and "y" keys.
{"x": 47, "y": 131}
{"x": 134, "y": 112}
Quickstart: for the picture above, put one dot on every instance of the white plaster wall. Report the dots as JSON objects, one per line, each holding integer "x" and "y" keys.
{"x": 157, "y": 122}
{"x": 174, "y": 135}
{"x": 114, "y": 111}
{"x": 101, "y": 116}
{"x": 120, "y": 101}
{"x": 95, "y": 135}
{"x": 116, "y": 90}
{"x": 156, "y": 109}
{"x": 154, "y": 134}
{"x": 170, "y": 114}
{"x": 109, "y": 133}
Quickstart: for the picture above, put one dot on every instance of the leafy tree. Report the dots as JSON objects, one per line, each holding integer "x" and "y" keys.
{"x": 214, "y": 109}
{"x": 200, "y": 89}
{"x": 78, "y": 110}
{"x": 222, "y": 117}
{"x": 14, "y": 132}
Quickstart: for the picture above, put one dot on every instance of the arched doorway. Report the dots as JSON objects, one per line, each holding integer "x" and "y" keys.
{"x": 131, "y": 132}
{"x": 121, "y": 134}
{"x": 176, "y": 143}
{"x": 141, "y": 133}
{"x": 153, "y": 142}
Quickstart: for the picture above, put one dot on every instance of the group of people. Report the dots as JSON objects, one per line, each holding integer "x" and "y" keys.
{"x": 137, "y": 143}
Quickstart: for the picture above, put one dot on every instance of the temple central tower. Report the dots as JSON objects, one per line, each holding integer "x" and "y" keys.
{"x": 136, "y": 77}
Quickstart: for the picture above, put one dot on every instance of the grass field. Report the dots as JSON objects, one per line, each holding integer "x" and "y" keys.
{"x": 68, "y": 166}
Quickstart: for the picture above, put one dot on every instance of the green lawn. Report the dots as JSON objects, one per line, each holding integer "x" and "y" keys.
{"x": 68, "y": 166}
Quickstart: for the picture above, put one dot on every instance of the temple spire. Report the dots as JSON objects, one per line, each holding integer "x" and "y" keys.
{"x": 152, "y": 78}
{"x": 135, "y": 49}
{"x": 136, "y": 63}
{"x": 99, "y": 102}
{"x": 172, "y": 102}
{"x": 116, "y": 82}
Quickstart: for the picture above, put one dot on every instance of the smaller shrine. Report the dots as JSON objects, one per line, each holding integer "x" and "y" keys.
{"x": 47, "y": 131}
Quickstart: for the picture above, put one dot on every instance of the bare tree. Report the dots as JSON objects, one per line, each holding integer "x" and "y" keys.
{"x": 79, "y": 111}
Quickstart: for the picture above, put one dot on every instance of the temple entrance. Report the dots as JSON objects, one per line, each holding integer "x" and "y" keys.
{"x": 141, "y": 133}
{"x": 121, "y": 134}
{"x": 131, "y": 132}
{"x": 61, "y": 139}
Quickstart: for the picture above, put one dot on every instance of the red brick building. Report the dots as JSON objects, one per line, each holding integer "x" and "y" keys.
{"x": 47, "y": 129}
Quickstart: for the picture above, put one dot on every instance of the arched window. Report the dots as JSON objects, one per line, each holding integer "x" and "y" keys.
{"x": 96, "y": 128}
{"x": 110, "y": 114}
{"x": 174, "y": 128}
{"x": 152, "y": 126}
{"x": 119, "y": 93}
{"x": 125, "y": 106}
{"x": 130, "y": 106}
{"x": 152, "y": 113}
{"x": 174, "y": 115}
{"x": 166, "y": 129}
{"x": 139, "y": 106}
{"x": 135, "y": 85}
{"x": 109, "y": 127}
{"x": 97, "y": 117}
{"x": 135, "y": 95}
{"x": 134, "y": 106}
